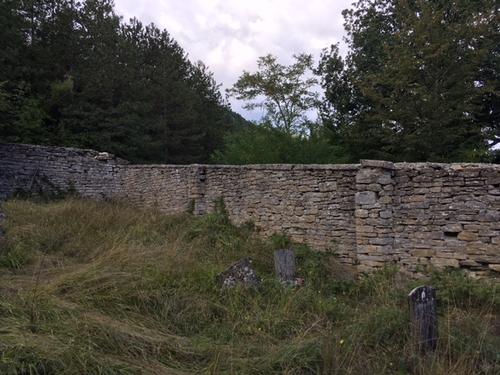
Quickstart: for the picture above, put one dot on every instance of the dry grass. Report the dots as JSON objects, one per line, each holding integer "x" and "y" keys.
{"x": 102, "y": 288}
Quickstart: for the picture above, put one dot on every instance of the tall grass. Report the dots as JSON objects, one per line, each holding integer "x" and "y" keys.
{"x": 103, "y": 288}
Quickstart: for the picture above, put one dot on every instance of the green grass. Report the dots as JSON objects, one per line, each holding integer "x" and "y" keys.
{"x": 103, "y": 288}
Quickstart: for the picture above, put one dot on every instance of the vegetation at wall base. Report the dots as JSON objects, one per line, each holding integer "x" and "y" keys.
{"x": 104, "y": 288}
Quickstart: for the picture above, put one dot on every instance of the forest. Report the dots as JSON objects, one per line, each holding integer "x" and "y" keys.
{"x": 419, "y": 82}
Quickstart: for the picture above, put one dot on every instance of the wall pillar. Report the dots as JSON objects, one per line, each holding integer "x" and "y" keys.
{"x": 373, "y": 214}
{"x": 197, "y": 189}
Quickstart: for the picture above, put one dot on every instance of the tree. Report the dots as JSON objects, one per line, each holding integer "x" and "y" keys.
{"x": 265, "y": 144}
{"x": 73, "y": 74}
{"x": 419, "y": 81}
{"x": 286, "y": 93}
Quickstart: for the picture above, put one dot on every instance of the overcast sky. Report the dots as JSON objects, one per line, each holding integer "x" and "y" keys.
{"x": 229, "y": 35}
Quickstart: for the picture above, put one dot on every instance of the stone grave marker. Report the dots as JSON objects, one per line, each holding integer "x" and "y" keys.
{"x": 423, "y": 318}
{"x": 239, "y": 273}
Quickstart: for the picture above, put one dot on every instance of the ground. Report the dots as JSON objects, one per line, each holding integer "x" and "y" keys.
{"x": 103, "y": 288}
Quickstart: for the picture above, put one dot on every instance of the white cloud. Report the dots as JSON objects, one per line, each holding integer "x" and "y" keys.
{"x": 229, "y": 35}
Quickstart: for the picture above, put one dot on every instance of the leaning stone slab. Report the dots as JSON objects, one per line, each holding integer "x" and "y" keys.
{"x": 240, "y": 273}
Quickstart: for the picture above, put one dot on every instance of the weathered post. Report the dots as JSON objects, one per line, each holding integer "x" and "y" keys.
{"x": 284, "y": 265}
{"x": 423, "y": 316}
{"x": 2, "y": 231}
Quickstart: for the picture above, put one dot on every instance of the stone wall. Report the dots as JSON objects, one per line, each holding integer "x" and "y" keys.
{"x": 311, "y": 203}
{"x": 371, "y": 214}
{"x": 53, "y": 170}
{"x": 447, "y": 215}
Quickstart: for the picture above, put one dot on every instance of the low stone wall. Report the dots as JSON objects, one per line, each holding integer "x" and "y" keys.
{"x": 53, "y": 170}
{"x": 447, "y": 215}
{"x": 371, "y": 214}
{"x": 310, "y": 203}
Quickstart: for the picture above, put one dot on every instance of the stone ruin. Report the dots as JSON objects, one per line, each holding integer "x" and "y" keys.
{"x": 412, "y": 215}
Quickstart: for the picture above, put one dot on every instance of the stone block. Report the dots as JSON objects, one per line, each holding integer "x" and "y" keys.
{"x": 367, "y": 176}
{"x": 373, "y": 187}
{"x": 385, "y": 214}
{"x": 469, "y": 263}
{"x": 494, "y": 267}
{"x": 445, "y": 262}
{"x": 452, "y": 228}
{"x": 381, "y": 241}
{"x": 423, "y": 253}
{"x": 361, "y": 213}
{"x": 467, "y": 236}
{"x": 366, "y": 198}
{"x": 377, "y": 164}
{"x": 385, "y": 200}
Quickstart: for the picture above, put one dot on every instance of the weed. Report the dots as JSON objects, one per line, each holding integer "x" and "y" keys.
{"x": 126, "y": 291}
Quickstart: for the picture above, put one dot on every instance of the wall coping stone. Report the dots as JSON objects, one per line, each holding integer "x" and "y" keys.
{"x": 446, "y": 166}
{"x": 97, "y": 155}
{"x": 377, "y": 164}
{"x": 271, "y": 167}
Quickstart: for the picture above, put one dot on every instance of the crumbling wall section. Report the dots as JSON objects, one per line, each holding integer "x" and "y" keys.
{"x": 29, "y": 169}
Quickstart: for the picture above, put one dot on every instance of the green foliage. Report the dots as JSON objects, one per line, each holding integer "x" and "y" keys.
{"x": 114, "y": 290}
{"x": 286, "y": 91}
{"x": 419, "y": 82}
{"x": 72, "y": 74}
{"x": 262, "y": 144}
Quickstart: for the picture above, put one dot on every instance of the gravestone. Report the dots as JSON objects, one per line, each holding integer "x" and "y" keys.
{"x": 284, "y": 265}
{"x": 423, "y": 318}
{"x": 239, "y": 273}
{"x": 2, "y": 231}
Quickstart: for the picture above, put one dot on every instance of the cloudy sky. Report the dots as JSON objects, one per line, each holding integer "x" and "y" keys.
{"x": 229, "y": 35}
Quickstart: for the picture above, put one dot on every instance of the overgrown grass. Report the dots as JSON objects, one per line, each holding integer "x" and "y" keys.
{"x": 102, "y": 288}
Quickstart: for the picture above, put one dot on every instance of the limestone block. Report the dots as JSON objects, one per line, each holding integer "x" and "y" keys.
{"x": 367, "y": 176}
{"x": 494, "y": 267}
{"x": 361, "y": 213}
{"x": 452, "y": 228}
{"x": 385, "y": 214}
{"x": 423, "y": 253}
{"x": 467, "y": 236}
{"x": 385, "y": 200}
{"x": 445, "y": 262}
{"x": 381, "y": 241}
{"x": 366, "y": 198}
{"x": 377, "y": 164}
{"x": 373, "y": 187}
{"x": 469, "y": 263}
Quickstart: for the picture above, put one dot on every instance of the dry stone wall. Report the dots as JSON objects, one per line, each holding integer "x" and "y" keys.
{"x": 371, "y": 214}
{"x": 53, "y": 170}
{"x": 447, "y": 216}
{"x": 311, "y": 203}
{"x": 165, "y": 187}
